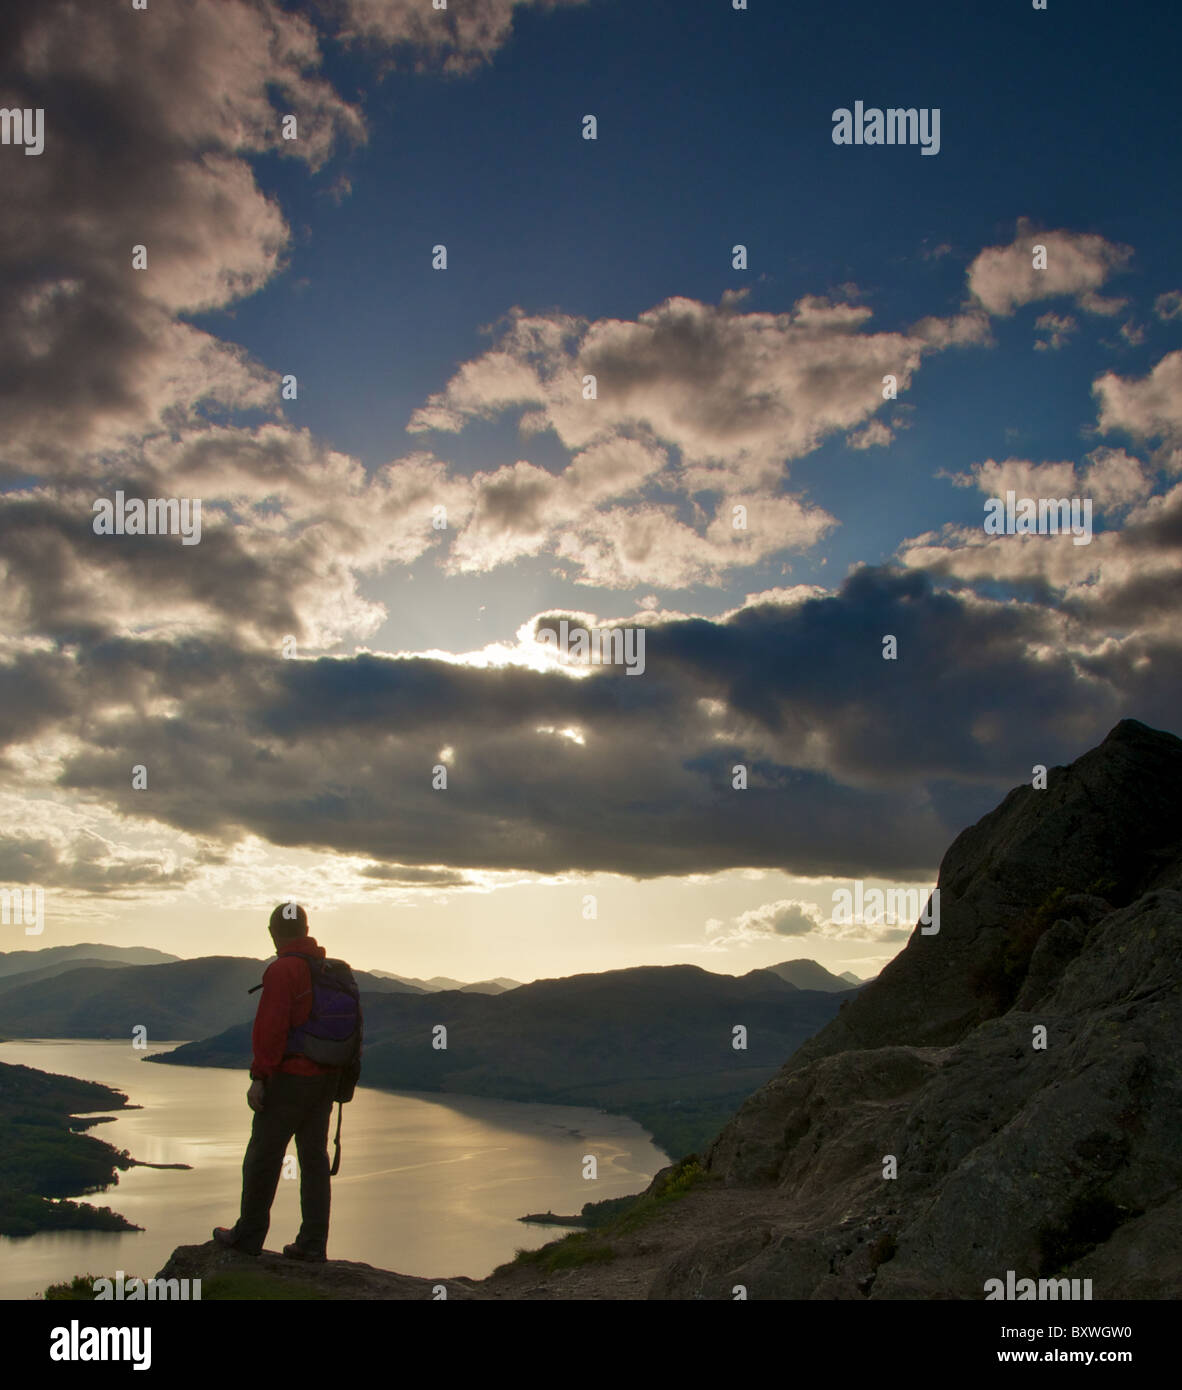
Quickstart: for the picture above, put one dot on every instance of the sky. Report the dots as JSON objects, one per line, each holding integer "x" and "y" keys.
{"x": 710, "y": 377}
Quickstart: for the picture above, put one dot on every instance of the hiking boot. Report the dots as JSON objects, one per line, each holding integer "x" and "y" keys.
{"x": 297, "y": 1251}
{"x": 226, "y": 1236}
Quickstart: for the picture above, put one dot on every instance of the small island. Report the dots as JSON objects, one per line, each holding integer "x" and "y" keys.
{"x": 46, "y": 1159}
{"x": 594, "y": 1214}
{"x": 548, "y": 1218}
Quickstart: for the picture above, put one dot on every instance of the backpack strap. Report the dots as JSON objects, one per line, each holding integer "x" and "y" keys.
{"x": 308, "y": 960}
{"x": 336, "y": 1160}
{"x": 300, "y": 954}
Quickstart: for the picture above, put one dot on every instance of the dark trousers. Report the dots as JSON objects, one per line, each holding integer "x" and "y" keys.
{"x": 293, "y": 1105}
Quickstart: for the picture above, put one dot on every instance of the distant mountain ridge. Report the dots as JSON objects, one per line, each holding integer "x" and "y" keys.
{"x": 16, "y": 962}
{"x": 179, "y": 999}
{"x": 56, "y": 960}
{"x": 439, "y": 983}
{"x": 24, "y": 978}
{"x": 654, "y": 1042}
{"x": 807, "y": 974}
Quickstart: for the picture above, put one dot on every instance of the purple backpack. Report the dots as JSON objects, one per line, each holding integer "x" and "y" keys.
{"x": 331, "y": 1035}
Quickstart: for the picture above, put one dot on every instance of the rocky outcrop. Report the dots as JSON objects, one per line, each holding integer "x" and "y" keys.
{"x": 1060, "y": 911}
{"x": 270, "y": 1275}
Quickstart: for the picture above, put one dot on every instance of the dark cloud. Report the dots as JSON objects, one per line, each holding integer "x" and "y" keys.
{"x": 856, "y": 765}
{"x": 65, "y": 580}
{"x": 954, "y": 704}
{"x": 81, "y": 862}
{"x": 399, "y": 876}
{"x": 149, "y": 118}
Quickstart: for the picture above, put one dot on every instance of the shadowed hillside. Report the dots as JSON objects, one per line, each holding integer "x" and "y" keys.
{"x": 44, "y": 1159}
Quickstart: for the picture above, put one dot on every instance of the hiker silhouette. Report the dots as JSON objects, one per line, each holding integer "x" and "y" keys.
{"x": 306, "y": 1055}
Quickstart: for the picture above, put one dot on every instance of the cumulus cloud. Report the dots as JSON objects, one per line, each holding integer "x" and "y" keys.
{"x": 88, "y": 865}
{"x": 876, "y": 434}
{"x": 456, "y": 39}
{"x": 736, "y": 393}
{"x": 624, "y": 546}
{"x": 794, "y": 917}
{"x": 969, "y": 328}
{"x": 1148, "y": 407}
{"x": 73, "y": 850}
{"x": 593, "y": 517}
{"x": 680, "y": 424}
{"x": 1112, "y": 602}
{"x": 1112, "y": 478}
{"x": 1003, "y": 278}
{"x": 1057, "y": 327}
{"x": 91, "y": 352}
{"x": 994, "y": 477}
{"x": 289, "y": 528}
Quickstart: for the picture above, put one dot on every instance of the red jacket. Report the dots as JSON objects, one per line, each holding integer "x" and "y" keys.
{"x": 285, "y": 1003}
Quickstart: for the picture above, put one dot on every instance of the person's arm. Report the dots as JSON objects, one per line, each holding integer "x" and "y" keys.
{"x": 272, "y": 1020}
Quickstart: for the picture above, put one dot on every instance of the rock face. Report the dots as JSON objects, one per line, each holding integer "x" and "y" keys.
{"x": 1060, "y": 910}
